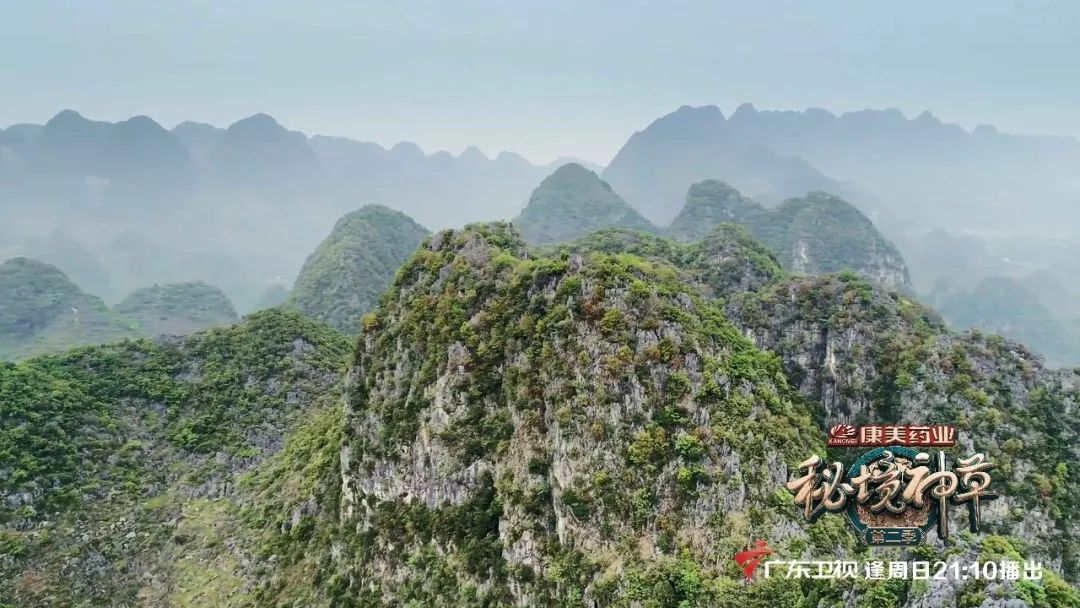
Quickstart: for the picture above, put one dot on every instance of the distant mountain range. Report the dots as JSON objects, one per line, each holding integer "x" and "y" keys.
{"x": 919, "y": 172}
{"x": 239, "y": 207}
{"x": 118, "y": 206}
{"x": 258, "y": 156}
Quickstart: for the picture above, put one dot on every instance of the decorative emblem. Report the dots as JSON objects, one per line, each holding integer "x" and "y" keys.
{"x": 894, "y": 495}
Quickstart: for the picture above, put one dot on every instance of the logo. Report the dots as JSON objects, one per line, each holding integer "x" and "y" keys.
{"x": 843, "y": 435}
{"x": 878, "y": 435}
{"x": 750, "y": 559}
{"x": 894, "y": 494}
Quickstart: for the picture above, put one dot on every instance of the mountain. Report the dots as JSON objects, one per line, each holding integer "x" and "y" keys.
{"x": 257, "y": 154}
{"x": 43, "y": 311}
{"x": 1005, "y": 306}
{"x": 930, "y": 173}
{"x": 177, "y": 308}
{"x": 69, "y": 143}
{"x": 570, "y": 203}
{"x": 73, "y": 258}
{"x": 657, "y": 164}
{"x": 204, "y": 201}
{"x": 500, "y": 449}
{"x": 200, "y": 139}
{"x": 869, "y": 356}
{"x": 438, "y": 189}
{"x": 140, "y": 152}
{"x": 139, "y": 159}
{"x": 125, "y": 460}
{"x": 517, "y": 428}
{"x": 345, "y": 275}
{"x": 725, "y": 262}
{"x": 814, "y": 234}
{"x": 709, "y": 203}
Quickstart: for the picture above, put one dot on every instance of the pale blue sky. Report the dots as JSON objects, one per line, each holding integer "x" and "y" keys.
{"x": 540, "y": 78}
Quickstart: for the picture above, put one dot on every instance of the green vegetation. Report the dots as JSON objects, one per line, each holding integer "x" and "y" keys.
{"x": 482, "y": 358}
{"x": 870, "y": 356}
{"x": 710, "y": 203}
{"x": 813, "y": 234}
{"x": 344, "y": 277}
{"x": 102, "y": 446}
{"x": 43, "y": 311}
{"x": 726, "y": 261}
{"x": 1006, "y": 306}
{"x": 582, "y": 424}
{"x": 178, "y": 308}
{"x": 572, "y": 202}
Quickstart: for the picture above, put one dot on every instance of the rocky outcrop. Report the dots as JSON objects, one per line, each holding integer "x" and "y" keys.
{"x": 868, "y": 356}
{"x": 508, "y": 417}
{"x": 599, "y": 424}
{"x": 124, "y": 467}
{"x": 726, "y": 261}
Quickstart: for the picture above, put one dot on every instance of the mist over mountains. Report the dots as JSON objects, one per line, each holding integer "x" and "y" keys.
{"x": 581, "y": 406}
{"x": 915, "y": 171}
{"x": 202, "y": 202}
{"x": 122, "y": 206}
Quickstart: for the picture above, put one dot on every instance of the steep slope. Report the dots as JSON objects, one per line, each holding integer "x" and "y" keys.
{"x": 709, "y": 203}
{"x": 656, "y": 165}
{"x": 42, "y": 311}
{"x": 867, "y": 356}
{"x": 1005, "y": 306}
{"x": 584, "y": 429}
{"x": 510, "y": 419}
{"x": 345, "y": 275}
{"x": 821, "y": 233}
{"x": 727, "y": 261}
{"x": 572, "y": 202}
{"x": 177, "y": 308}
{"x": 126, "y": 463}
{"x": 814, "y": 234}
{"x": 515, "y": 429}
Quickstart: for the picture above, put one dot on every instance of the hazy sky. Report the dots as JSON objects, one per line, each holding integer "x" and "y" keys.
{"x": 541, "y": 78}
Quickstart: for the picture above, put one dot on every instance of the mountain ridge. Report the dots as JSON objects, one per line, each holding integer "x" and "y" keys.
{"x": 572, "y": 202}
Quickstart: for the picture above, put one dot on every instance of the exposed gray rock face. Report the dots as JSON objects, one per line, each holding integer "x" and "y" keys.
{"x": 618, "y": 417}
{"x": 867, "y": 356}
